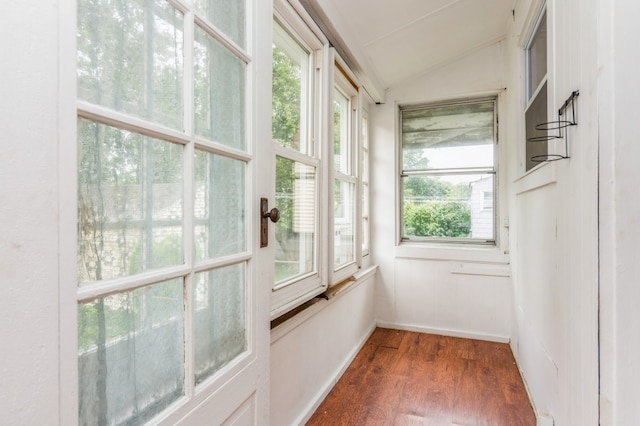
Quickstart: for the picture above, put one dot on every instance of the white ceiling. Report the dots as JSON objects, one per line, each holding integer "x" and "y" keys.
{"x": 394, "y": 40}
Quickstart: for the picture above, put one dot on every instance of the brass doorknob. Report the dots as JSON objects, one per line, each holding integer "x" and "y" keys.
{"x": 273, "y": 214}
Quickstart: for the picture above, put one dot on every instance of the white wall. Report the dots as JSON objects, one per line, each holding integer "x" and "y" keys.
{"x": 458, "y": 291}
{"x": 619, "y": 212}
{"x": 553, "y": 224}
{"x": 29, "y": 213}
{"x": 311, "y": 351}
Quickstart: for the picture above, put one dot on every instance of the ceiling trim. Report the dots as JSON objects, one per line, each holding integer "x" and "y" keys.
{"x": 359, "y": 65}
{"x": 409, "y": 24}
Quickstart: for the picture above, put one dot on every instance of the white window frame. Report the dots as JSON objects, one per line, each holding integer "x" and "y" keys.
{"x": 344, "y": 81}
{"x": 329, "y": 72}
{"x": 401, "y": 238}
{"x": 365, "y": 185}
{"x": 540, "y": 147}
{"x": 288, "y": 295}
{"x": 71, "y": 293}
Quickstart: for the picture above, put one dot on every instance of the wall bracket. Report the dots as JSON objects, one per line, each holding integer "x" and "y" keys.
{"x": 566, "y": 118}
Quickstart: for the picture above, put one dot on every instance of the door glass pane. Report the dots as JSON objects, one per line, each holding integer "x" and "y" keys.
{"x": 341, "y": 127}
{"x": 227, "y": 15}
{"x": 344, "y": 229}
{"x": 290, "y": 89}
{"x": 219, "y": 206}
{"x": 131, "y": 354}
{"x": 296, "y": 229}
{"x": 130, "y": 202}
{"x": 130, "y": 58}
{"x": 220, "y": 319}
{"x": 219, "y": 91}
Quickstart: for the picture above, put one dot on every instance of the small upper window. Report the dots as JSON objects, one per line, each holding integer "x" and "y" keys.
{"x": 448, "y": 172}
{"x": 536, "y": 109}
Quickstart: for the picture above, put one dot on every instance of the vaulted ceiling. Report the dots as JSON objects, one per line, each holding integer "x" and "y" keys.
{"x": 391, "y": 41}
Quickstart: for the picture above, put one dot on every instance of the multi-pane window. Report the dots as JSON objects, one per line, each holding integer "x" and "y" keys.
{"x": 295, "y": 108}
{"x": 345, "y": 179}
{"x": 162, "y": 251}
{"x": 315, "y": 132}
{"x": 365, "y": 184}
{"x": 536, "y": 90}
{"x": 448, "y": 172}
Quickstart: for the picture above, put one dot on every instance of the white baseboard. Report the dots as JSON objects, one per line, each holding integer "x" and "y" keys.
{"x": 545, "y": 419}
{"x": 313, "y": 406}
{"x": 445, "y": 332}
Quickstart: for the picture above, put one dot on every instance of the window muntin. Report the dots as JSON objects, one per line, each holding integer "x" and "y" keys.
{"x": 146, "y": 189}
{"x": 448, "y": 161}
{"x": 536, "y": 90}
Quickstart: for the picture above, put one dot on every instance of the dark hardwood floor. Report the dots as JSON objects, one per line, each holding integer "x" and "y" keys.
{"x": 406, "y": 378}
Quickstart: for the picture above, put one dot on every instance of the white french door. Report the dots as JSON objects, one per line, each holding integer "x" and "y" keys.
{"x": 172, "y": 285}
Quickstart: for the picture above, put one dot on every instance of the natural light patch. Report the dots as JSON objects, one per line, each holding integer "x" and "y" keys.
{"x": 448, "y": 172}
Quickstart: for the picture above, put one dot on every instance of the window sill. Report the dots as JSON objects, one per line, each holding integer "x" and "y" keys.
{"x": 301, "y": 314}
{"x": 456, "y": 252}
{"x": 542, "y": 175}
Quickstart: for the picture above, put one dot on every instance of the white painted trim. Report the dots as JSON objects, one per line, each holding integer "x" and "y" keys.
{"x": 538, "y": 177}
{"x": 67, "y": 279}
{"x": 524, "y": 380}
{"x": 491, "y": 270}
{"x": 529, "y": 23}
{"x": 458, "y": 252}
{"x": 324, "y": 391}
{"x": 544, "y": 419}
{"x": 444, "y": 332}
{"x": 301, "y": 11}
{"x": 299, "y": 319}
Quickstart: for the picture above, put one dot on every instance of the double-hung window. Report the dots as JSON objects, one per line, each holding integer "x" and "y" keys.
{"x": 536, "y": 91}
{"x": 316, "y": 127}
{"x": 296, "y": 103}
{"x": 365, "y": 180}
{"x": 448, "y": 172}
{"x": 345, "y": 178}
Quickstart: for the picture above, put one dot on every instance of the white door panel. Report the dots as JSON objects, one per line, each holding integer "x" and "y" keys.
{"x": 172, "y": 291}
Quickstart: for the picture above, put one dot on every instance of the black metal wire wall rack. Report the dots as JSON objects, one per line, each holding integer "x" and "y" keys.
{"x": 559, "y": 128}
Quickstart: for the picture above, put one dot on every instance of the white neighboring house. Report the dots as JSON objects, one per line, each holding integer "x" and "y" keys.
{"x": 481, "y": 202}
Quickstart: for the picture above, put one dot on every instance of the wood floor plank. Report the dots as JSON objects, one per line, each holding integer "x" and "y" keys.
{"x": 406, "y": 378}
